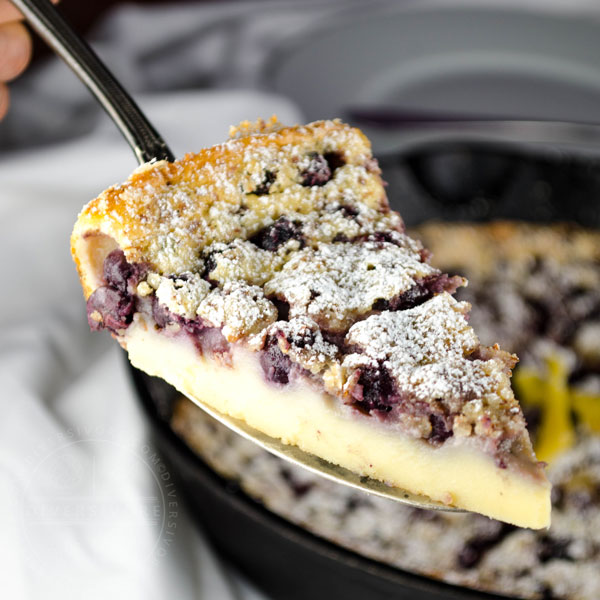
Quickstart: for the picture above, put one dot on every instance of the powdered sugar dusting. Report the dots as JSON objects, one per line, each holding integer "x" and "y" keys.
{"x": 336, "y": 282}
{"x": 425, "y": 334}
{"x": 302, "y": 340}
{"x": 240, "y": 309}
{"x": 426, "y": 352}
{"x": 181, "y": 295}
{"x": 241, "y": 260}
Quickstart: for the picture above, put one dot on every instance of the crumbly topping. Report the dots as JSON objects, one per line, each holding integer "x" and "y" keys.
{"x": 431, "y": 333}
{"x": 247, "y": 128}
{"x": 502, "y": 246}
{"x": 302, "y": 340}
{"x": 181, "y": 295}
{"x": 336, "y": 282}
{"x": 241, "y": 260}
{"x": 587, "y": 343}
{"x": 426, "y": 351}
{"x": 348, "y": 220}
{"x": 240, "y": 309}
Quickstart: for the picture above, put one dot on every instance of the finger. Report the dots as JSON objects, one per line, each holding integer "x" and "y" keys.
{"x": 15, "y": 50}
{"x": 9, "y": 13}
{"x": 4, "y": 100}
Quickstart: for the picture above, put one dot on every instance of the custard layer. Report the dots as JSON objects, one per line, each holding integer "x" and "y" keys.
{"x": 454, "y": 473}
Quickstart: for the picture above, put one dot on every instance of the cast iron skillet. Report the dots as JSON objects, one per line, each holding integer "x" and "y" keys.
{"x": 450, "y": 181}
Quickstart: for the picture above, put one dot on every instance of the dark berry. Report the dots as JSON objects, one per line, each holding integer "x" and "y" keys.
{"x": 348, "y": 211}
{"x": 283, "y": 309}
{"x": 550, "y": 548}
{"x": 277, "y": 234}
{"x": 340, "y": 237}
{"x": 109, "y": 308}
{"x": 120, "y": 274}
{"x": 416, "y": 295}
{"x": 264, "y": 186}
{"x": 275, "y": 364}
{"x": 117, "y": 270}
{"x": 210, "y": 264}
{"x": 441, "y": 428}
{"x": 422, "y": 291}
{"x": 379, "y": 237}
{"x": 477, "y": 546}
{"x": 161, "y": 314}
{"x": 334, "y": 337}
{"x": 335, "y": 160}
{"x": 374, "y": 390}
{"x": 318, "y": 171}
{"x": 299, "y": 488}
{"x": 381, "y": 304}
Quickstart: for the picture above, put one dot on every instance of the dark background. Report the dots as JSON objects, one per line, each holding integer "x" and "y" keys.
{"x": 83, "y": 14}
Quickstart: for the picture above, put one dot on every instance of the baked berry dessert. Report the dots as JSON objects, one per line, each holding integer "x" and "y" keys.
{"x": 537, "y": 289}
{"x": 268, "y": 277}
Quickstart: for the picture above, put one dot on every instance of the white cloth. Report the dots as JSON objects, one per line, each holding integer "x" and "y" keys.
{"x": 82, "y": 514}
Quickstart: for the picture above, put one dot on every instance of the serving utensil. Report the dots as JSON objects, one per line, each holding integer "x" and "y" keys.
{"x": 148, "y": 146}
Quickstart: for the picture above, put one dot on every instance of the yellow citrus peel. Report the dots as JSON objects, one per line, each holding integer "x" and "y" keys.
{"x": 549, "y": 390}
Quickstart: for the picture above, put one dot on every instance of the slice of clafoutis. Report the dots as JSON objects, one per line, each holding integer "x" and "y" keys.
{"x": 269, "y": 278}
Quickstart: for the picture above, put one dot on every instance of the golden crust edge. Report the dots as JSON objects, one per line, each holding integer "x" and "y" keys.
{"x": 108, "y": 213}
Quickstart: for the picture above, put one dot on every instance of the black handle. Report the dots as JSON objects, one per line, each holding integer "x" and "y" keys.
{"x": 145, "y": 142}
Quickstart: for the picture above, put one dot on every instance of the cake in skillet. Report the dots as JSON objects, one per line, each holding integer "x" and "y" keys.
{"x": 536, "y": 288}
{"x": 269, "y": 277}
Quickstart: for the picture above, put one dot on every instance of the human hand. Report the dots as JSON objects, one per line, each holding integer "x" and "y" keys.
{"x": 15, "y": 49}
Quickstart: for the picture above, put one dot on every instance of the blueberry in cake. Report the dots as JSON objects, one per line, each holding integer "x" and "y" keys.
{"x": 269, "y": 277}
